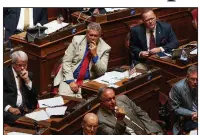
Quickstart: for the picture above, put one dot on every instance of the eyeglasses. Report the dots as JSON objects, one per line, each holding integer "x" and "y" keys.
{"x": 21, "y": 65}
{"x": 109, "y": 99}
{"x": 150, "y": 20}
{"x": 91, "y": 126}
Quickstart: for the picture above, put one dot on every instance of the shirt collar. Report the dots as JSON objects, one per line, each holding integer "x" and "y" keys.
{"x": 15, "y": 74}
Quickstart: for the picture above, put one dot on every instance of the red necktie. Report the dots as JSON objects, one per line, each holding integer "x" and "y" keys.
{"x": 83, "y": 69}
{"x": 152, "y": 43}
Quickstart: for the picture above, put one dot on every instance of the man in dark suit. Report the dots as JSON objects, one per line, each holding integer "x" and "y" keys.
{"x": 89, "y": 125}
{"x": 149, "y": 38}
{"x": 13, "y": 19}
{"x": 121, "y": 116}
{"x": 19, "y": 95}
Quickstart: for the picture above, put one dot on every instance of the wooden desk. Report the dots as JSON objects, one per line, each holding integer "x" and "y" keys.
{"x": 71, "y": 122}
{"x": 43, "y": 131}
{"x": 142, "y": 89}
{"x": 44, "y": 53}
{"x": 115, "y": 30}
{"x": 171, "y": 69}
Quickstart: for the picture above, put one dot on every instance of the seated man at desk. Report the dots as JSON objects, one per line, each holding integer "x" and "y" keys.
{"x": 184, "y": 101}
{"x": 149, "y": 38}
{"x": 16, "y": 20}
{"x": 89, "y": 125}
{"x": 121, "y": 116}
{"x": 19, "y": 95}
{"x": 85, "y": 58}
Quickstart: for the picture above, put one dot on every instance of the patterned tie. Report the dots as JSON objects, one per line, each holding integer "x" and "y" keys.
{"x": 26, "y": 18}
{"x": 152, "y": 43}
{"x": 84, "y": 67}
{"x": 136, "y": 128}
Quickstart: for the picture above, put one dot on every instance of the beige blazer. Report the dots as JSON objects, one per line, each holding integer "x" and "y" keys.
{"x": 74, "y": 55}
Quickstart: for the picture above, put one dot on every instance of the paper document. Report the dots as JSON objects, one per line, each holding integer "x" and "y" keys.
{"x": 38, "y": 116}
{"x": 112, "y": 77}
{"x": 193, "y": 132}
{"x": 17, "y": 133}
{"x": 54, "y": 26}
{"x": 194, "y": 51}
{"x": 134, "y": 74}
{"x": 56, "y": 110}
{"x": 113, "y": 9}
{"x": 51, "y": 102}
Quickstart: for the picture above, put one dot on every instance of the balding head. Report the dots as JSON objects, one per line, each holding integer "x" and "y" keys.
{"x": 90, "y": 124}
{"x": 107, "y": 98}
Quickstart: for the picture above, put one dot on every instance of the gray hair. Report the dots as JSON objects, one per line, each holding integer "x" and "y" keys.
{"x": 94, "y": 26}
{"x": 15, "y": 56}
{"x": 102, "y": 90}
{"x": 192, "y": 69}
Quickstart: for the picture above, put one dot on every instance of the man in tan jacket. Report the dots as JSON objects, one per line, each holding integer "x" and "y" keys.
{"x": 85, "y": 58}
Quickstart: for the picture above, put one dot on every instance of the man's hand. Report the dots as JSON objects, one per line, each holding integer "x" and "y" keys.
{"x": 96, "y": 11}
{"x": 194, "y": 116}
{"x": 14, "y": 111}
{"x": 155, "y": 50}
{"x": 93, "y": 48}
{"x": 144, "y": 54}
{"x": 74, "y": 87}
{"x": 24, "y": 76}
{"x": 120, "y": 113}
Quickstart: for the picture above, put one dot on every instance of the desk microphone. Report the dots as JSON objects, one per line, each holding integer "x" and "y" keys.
{"x": 84, "y": 12}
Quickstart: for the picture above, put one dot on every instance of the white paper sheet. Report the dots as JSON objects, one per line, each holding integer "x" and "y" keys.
{"x": 194, "y": 51}
{"x": 113, "y": 9}
{"x": 56, "y": 110}
{"x": 54, "y": 26}
{"x": 38, "y": 116}
{"x": 193, "y": 132}
{"x": 17, "y": 133}
{"x": 51, "y": 102}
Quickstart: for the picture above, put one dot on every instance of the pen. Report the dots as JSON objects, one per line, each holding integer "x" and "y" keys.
{"x": 104, "y": 81}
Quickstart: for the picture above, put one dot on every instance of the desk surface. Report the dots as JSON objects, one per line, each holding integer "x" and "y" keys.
{"x": 43, "y": 131}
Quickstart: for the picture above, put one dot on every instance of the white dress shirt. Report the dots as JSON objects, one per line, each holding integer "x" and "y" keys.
{"x": 19, "y": 95}
{"x": 20, "y": 25}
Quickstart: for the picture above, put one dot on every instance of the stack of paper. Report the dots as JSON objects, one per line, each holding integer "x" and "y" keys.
{"x": 17, "y": 133}
{"x": 44, "y": 115}
{"x": 38, "y": 116}
{"x": 56, "y": 111}
{"x": 113, "y": 9}
{"x": 51, "y": 102}
{"x": 54, "y": 26}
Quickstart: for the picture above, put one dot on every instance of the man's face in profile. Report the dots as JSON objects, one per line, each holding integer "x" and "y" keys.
{"x": 90, "y": 126}
{"x": 192, "y": 79}
{"x": 93, "y": 35}
{"x": 149, "y": 19}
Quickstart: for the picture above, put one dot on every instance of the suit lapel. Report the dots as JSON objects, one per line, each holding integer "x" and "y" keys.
{"x": 143, "y": 37}
{"x": 12, "y": 78}
{"x": 18, "y": 10}
{"x": 158, "y": 35}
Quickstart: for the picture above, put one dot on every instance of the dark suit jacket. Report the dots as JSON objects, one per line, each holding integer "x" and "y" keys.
{"x": 81, "y": 133}
{"x": 165, "y": 37}
{"x": 11, "y": 18}
{"x": 109, "y": 125}
{"x": 10, "y": 90}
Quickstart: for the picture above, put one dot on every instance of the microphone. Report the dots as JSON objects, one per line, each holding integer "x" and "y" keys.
{"x": 84, "y": 11}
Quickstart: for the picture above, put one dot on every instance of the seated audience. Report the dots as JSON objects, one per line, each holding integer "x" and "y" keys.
{"x": 16, "y": 20}
{"x": 121, "y": 116}
{"x": 85, "y": 58}
{"x": 89, "y": 125}
{"x": 184, "y": 101}
{"x": 19, "y": 95}
{"x": 149, "y": 38}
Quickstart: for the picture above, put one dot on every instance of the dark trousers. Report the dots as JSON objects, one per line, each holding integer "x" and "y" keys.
{"x": 189, "y": 125}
